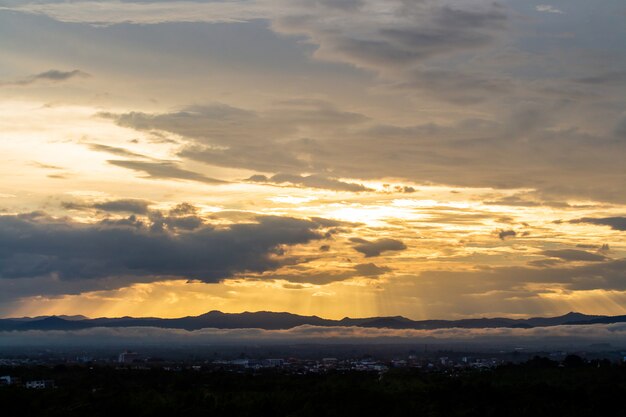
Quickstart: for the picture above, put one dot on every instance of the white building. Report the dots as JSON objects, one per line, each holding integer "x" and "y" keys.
{"x": 42, "y": 384}
{"x": 275, "y": 363}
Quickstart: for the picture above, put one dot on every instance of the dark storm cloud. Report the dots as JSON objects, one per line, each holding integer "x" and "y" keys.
{"x": 35, "y": 246}
{"x": 184, "y": 223}
{"x": 176, "y": 219}
{"x": 122, "y": 205}
{"x": 183, "y": 216}
{"x": 183, "y": 209}
{"x": 615, "y": 223}
{"x": 50, "y": 76}
{"x": 503, "y": 234}
{"x": 574, "y": 255}
{"x": 377, "y": 247}
{"x": 310, "y": 181}
{"x": 164, "y": 170}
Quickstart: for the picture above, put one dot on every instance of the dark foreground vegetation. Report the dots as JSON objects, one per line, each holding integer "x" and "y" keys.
{"x": 537, "y": 388}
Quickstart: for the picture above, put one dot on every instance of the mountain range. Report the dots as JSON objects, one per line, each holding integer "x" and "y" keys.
{"x": 281, "y": 321}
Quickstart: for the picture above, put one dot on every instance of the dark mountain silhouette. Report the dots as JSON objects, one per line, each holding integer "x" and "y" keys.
{"x": 76, "y": 317}
{"x": 569, "y": 318}
{"x": 278, "y": 321}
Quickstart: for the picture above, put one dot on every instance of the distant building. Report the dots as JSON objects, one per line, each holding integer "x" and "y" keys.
{"x": 275, "y": 363}
{"x": 240, "y": 362}
{"x": 42, "y": 384}
{"x": 399, "y": 363}
{"x": 127, "y": 357}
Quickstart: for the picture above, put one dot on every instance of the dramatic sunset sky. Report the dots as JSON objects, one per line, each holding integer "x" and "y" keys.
{"x": 424, "y": 158}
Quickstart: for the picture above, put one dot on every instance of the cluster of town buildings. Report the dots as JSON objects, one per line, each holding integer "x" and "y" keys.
{"x": 134, "y": 360}
{"x": 7, "y": 380}
{"x": 451, "y": 363}
{"x": 357, "y": 364}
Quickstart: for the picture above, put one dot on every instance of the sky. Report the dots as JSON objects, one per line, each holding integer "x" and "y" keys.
{"x": 423, "y": 158}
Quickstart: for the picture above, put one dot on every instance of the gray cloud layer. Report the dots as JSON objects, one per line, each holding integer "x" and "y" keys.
{"x": 523, "y": 151}
{"x": 608, "y": 275}
{"x": 526, "y": 127}
{"x": 536, "y": 338}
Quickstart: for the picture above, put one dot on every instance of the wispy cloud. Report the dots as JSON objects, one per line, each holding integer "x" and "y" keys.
{"x": 146, "y": 12}
{"x": 310, "y": 181}
{"x": 53, "y": 76}
{"x": 165, "y": 170}
{"x": 546, "y": 8}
